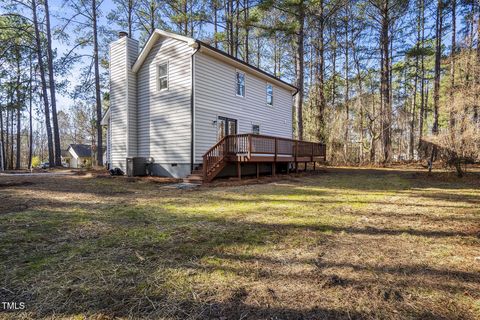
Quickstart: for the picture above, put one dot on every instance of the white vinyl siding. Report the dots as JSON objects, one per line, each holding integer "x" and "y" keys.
{"x": 122, "y": 101}
{"x": 212, "y": 101}
{"x": 164, "y": 117}
{"x": 109, "y": 142}
{"x": 132, "y": 54}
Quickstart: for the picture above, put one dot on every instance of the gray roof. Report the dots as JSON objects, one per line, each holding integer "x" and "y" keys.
{"x": 82, "y": 150}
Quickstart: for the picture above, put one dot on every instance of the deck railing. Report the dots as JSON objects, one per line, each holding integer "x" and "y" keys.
{"x": 248, "y": 144}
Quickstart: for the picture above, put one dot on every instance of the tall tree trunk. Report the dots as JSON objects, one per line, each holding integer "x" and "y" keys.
{"x": 415, "y": 90}
{"x": 19, "y": 141}
{"x": 360, "y": 102}
{"x": 192, "y": 21}
{"x": 247, "y": 30}
{"x": 347, "y": 83}
{"x": 3, "y": 164}
{"x": 152, "y": 16}
{"x": 412, "y": 114}
{"x": 185, "y": 22}
{"x": 438, "y": 57}
{"x": 475, "y": 108}
{"x": 299, "y": 66}
{"x": 237, "y": 26}
{"x": 98, "y": 97}
{"x": 275, "y": 54}
{"x": 7, "y": 137}
{"x": 18, "y": 107}
{"x": 452, "y": 70}
{"x": 436, "y": 88}
{"x": 422, "y": 83}
{"x": 385, "y": 83}
{"x": 478, "y": 35}
{"x": 311, "y": 65}
{"x": 30, "y": 116}
{"x": 334, "y": 66}
{"x": 231, "y": 42}
{"x": 411, "y": 143}
{"x": 321, "y": 76}
{"x": 259, "y": 56}
{"x": 48, "y": 127}
{"x": 53, "y": 100}
{"x": 215, "y": 23}
{"x": 130, "y": 16}
{"x": 11, "y": 137}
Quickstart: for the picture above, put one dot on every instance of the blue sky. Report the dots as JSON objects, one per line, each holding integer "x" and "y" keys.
{"x": 57, "y": 9}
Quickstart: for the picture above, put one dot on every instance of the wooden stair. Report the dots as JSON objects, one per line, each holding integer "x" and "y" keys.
{"x": 214, "y": 160}
{"x": 256, "y": 148}
{"x": 212, "y": 173}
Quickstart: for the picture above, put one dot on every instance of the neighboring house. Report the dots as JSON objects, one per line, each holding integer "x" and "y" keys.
{"x": 80, "y": 156}
{"x": 66, "y": 157}
{"x": 177, "y": 97}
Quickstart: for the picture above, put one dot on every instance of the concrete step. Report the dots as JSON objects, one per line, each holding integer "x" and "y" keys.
{"x": 194, "y": 178}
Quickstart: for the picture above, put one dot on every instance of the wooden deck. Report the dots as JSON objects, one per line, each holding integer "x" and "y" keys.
{"x": 252, "y": 148}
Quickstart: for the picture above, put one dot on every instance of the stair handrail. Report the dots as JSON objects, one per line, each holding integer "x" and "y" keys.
{"x": 207, "y": 165}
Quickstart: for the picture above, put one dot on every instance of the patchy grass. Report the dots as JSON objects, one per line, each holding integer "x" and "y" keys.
{"x": 346, "y": 243}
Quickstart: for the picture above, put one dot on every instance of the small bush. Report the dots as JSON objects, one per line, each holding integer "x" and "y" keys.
{"x": 36, "y": 161}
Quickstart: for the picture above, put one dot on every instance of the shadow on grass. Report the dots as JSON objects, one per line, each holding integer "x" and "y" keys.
{"x": 105, "y": 259}
{"x": 371, "y": 180}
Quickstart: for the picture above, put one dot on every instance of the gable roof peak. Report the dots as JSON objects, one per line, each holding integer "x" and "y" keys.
{"x": 197, "y": 44}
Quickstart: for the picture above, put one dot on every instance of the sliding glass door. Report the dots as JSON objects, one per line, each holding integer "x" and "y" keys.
{"x": 226, "y": 126}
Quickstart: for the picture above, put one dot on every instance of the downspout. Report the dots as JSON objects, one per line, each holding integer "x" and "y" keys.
{"x": 192, "y": 106}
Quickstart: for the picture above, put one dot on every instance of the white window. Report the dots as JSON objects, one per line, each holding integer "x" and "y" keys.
{"x": 240, "y": 84}
{"x": 269, "y": 89}
{"x": 162, "y": 76}
{"x": 255, "y": 129}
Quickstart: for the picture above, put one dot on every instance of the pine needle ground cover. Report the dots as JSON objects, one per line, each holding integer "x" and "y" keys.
{"x": 345, "y": 244}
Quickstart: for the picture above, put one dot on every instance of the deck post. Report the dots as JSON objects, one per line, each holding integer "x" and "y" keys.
{"x": 305, "y": 166}
{"x": 295, "y": 150}
{"x": 239, "y": 170}
{"x": 274, "y": 165}
{"x": 249, "y": 146}
{"x": 276, "y": 149}
{"x": 258, "y": 171}
{"x": 312, "y": 151}
{"x": 295, "y": 156}
{"x": 314, "y": 163}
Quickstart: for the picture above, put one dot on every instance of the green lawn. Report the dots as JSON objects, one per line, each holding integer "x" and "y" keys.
{"x": 345, "y": 243}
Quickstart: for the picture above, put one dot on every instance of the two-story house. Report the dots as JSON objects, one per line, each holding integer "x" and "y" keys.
{"x": 175, "y": 99}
